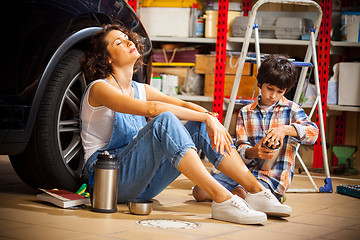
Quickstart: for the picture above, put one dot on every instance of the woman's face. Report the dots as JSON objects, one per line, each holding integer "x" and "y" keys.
{"x": 122, "y": 51}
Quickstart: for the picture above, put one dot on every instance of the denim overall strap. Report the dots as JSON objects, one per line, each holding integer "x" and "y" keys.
{"x": 126, "y": 127}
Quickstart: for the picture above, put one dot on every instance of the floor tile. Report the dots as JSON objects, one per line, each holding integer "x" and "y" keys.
{"x": 40, "y": 233}
{"x": 343, "y": 234}
{"x": 316, "y": 219}
{"x": 301, "y": 230}
{"x": 315, "y": 215}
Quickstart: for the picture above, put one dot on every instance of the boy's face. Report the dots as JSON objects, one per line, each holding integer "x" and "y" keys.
{"x": 270, "y": 94}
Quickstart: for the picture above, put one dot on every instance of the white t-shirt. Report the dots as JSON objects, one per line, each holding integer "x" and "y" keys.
{"x": 97, "y": 122}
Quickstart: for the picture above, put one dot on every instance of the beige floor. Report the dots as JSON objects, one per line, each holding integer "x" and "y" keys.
{"x": 315, "y": 216}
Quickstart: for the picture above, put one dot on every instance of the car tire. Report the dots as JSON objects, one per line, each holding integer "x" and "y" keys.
{"x": 53, "y": 157}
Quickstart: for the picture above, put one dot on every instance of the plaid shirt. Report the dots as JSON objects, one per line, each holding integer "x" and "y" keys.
{"x": 254, "y": 121}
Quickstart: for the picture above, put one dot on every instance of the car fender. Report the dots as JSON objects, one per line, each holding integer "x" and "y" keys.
{"x": 65, "y": 46}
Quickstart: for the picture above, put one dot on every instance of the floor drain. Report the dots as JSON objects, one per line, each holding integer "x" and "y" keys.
{"x": 167, "y": 224}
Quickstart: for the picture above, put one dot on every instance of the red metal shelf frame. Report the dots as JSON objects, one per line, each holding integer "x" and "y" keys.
{"x": 220, "y": 58}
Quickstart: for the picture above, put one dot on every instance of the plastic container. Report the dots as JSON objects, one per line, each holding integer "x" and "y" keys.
{"x": 350, "y": 27}
{"x": 167, "y": 3}
{"x": 274, "y": 27}
{"x": 292, "y": 27}
{"x": 211, "y": 20}
{"x": 196, "y": 22}
{"x": 200, "y": 27}
{"x": 267, "y": 29}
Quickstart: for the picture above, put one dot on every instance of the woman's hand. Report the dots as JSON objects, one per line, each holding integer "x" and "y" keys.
{"x": 220, "y": 138}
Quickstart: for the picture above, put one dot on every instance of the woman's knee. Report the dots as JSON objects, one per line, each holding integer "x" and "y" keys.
{"x": 196, "y": 127}
{"x": 166, "y": 117}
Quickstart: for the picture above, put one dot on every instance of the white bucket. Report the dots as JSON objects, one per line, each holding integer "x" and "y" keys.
{"x": 350, "y": 28}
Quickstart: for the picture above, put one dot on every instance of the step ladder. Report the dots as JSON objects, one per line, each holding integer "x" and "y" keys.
{"x": 310, "y": 61}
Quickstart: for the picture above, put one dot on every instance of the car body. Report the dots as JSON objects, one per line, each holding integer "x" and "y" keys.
{"x": 41, "y": 89}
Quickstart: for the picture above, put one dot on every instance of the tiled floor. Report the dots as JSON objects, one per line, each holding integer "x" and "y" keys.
{"x": 315, "y": 216}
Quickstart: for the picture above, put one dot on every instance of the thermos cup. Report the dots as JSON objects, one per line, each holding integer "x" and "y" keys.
{"x": 104, "y": 197}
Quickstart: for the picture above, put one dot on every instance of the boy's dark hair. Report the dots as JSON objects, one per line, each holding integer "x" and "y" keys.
{"x": 277, "y": 70}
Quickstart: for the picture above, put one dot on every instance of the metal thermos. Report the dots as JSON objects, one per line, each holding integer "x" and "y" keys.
{"x": 104, "y": 197}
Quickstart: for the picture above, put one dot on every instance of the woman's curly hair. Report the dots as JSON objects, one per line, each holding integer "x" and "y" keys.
{"x": 95, "y": 63}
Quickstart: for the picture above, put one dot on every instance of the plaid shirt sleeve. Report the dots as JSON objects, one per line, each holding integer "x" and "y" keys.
{"x": 307, "y": 130}
{"x": 242, "y": 136}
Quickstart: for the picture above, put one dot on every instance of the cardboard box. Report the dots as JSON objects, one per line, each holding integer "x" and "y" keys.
{"x": 166, "y": 22}
{"x": 205, "y": 64}
{"x": 181, "y": 72}
{"x": 245, "y": 89}
{"x": 349, "y": 83}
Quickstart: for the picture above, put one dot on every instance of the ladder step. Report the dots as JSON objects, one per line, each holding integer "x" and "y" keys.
{"x": 302, "y": 64}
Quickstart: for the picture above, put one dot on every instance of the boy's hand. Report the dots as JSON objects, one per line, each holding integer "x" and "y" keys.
{"x": 275, "y": 135}
{"x": 258, "y": 151}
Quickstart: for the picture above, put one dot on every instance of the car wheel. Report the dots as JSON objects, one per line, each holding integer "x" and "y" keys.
{"x": 54, "y": 155}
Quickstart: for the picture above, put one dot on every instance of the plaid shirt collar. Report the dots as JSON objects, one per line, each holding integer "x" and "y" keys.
{"x": 282, "y": 102}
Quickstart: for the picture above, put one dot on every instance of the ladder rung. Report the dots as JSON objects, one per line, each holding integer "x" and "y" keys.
{"x": 302, "y": 64}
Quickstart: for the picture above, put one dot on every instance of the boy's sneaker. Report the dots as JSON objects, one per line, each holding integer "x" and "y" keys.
{"x": 266, "y": 202}
{"x": 236, "y": 210}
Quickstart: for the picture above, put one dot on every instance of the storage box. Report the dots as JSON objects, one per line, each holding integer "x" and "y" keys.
{"x": 166, "y": 22}
{"x": 205, "y": 64}
{"x": 167, "y": 3}
{"x": 267, "y": 29}
{"x": 170, "y": 84}
{"x": 349, "y": 83}
{"x": 181, "y": 72}
{"x": 292, "y": 27}
{"x": 246, "y": 87}
{"x": 274, "y": 27}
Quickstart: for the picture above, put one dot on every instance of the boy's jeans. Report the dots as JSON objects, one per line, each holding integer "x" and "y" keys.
{"x": 148, "y": 164}
{"x": 230, "y": 184}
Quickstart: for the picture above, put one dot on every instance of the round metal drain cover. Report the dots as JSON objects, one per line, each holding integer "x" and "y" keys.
{"x": 167, "y": 224}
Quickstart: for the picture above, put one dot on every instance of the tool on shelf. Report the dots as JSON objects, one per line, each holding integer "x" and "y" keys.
{"x": 345, "y": 153}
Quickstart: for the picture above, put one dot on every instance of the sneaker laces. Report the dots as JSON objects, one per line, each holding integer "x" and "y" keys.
{"x": 271, "y": 196}
{"x": 242, "y": 208}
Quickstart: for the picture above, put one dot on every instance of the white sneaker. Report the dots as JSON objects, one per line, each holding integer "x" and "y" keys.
{"x": 266, "y": 202}
{"x": 236, "y": 210}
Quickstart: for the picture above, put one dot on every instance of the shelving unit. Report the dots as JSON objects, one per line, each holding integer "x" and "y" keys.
{"x": 325, "y": 48}
{"x": 183, "y": 40}
{"x": 241, "y": 40}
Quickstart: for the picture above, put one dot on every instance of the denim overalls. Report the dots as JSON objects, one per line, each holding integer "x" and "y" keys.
{"x": 148, "y": 154}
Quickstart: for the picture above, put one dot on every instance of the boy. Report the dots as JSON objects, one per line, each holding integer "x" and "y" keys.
{"x": 273, "y": 118}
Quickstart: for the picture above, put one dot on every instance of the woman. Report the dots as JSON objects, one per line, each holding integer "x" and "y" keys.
{"x": 152, "y": 155}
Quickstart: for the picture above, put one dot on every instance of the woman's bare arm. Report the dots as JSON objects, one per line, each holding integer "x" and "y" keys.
{"x": 104, "y": 94}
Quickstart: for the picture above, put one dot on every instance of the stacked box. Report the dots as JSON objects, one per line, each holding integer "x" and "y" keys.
{"x": 205, "y": 64}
